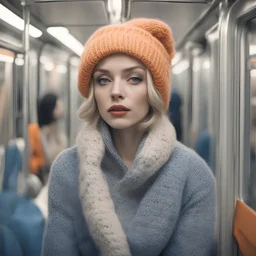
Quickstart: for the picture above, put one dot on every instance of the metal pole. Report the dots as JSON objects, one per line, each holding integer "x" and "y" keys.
{"x": 202, "y": 18}
{"x": 26, "y": 17}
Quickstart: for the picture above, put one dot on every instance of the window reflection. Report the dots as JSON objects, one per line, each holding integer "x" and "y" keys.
{"x": 252, "y": 188}
{"x": 252, "y": 74}
{"x": 6, "y": 127}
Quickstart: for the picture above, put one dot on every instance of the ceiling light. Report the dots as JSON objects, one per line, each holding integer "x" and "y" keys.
{"x": 180, "y": 67}
{"x": 253, "y": 72}
{"x": 15, "y": 21}
{"x": 62, "y": 69}
{"x": 43, "y": 59}
{"x": 49, "y": 66}
{"x": 5, "y": 58}
{"x": 19, "y": 62}
{"x": 19, "y": 55}
{"x": 63, "y": 35}
{"x": 206, "y": 64}
{"x": 176, "y": 59}
{"x": 74, "y": 61}
{"x": 252, "y": 49}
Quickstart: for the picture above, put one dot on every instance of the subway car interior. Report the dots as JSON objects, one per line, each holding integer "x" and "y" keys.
{"x": 213, "y": 92}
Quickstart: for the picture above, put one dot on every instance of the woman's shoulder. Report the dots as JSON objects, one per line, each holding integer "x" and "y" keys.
{"x": 67, "y": 157}
{"x": 66, "y": 165}
{"x": 190, "y": 164}
{"x": 63, "y": 183}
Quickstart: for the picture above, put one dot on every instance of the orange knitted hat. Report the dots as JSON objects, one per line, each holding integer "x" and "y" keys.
{"x": 148, "y": 40}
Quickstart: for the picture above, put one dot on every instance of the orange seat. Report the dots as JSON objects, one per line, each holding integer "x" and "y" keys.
{"x": 245, "y": 229}
{"x": 37, "y": 158}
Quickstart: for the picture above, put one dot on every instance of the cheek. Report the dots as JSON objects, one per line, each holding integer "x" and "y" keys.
{"x": 142, "y": 100}
{"x": 57, "y": 113}
{"x": 100, "y": 99}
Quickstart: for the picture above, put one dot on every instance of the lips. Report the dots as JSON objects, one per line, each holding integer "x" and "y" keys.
{"x": 116, "y": 108}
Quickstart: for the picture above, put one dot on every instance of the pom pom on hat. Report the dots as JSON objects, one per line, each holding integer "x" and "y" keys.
{"x": 159, "y": 30}
{"x": 148, "y": 40}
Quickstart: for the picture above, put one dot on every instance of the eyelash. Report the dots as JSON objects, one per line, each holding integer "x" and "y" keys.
{"x": 101, "y": 79}
{"x": 137, "y": 78}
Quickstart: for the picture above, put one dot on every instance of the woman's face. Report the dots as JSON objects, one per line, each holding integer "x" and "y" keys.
{"x": 120, "y": 90}
{"x": 58, "y": 111}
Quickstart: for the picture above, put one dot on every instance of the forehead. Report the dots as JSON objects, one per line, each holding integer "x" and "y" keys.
{"x": 120, "y": 61}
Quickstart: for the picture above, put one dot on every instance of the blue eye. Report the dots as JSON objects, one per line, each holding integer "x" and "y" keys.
{"x": 135, "y": 80}
{"x": 102, "y": 81}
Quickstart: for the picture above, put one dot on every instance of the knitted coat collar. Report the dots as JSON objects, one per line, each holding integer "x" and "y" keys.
{"x": 98, "y": 207}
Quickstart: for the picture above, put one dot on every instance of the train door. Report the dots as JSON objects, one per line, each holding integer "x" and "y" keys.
{"x": 245, "y": 217}
{"x": 251, "y": 186}
{"x": 235, "y": 171}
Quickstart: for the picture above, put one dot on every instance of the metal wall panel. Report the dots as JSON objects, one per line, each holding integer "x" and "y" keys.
{"x": 232, "y": 22}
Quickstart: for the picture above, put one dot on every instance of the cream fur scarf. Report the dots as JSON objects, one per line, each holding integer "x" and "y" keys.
{"x": 98, "y": 207}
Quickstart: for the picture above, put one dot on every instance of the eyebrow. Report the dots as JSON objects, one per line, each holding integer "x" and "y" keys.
{"x": 125, "y": 70}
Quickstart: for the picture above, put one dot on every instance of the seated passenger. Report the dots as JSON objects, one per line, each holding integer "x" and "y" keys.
{"x": 54, "y": 141}
{"x": 128, "y": 187}
{"x": 175, "y": 113}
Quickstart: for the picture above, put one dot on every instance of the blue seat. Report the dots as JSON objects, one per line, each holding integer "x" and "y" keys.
{"x": 21, "y": 221}
{"x": 24, "y": 219}
{"x": 13, "y": 161}
{"x": 9, "y": 244}
{"x": 203, "y": 146}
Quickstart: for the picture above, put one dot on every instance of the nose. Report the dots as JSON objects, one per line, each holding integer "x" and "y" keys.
{"x": 117, "y": 91}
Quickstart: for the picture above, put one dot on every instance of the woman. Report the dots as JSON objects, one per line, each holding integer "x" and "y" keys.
{"x": 128, "y": 187}
{"x": 53, "y": 140}
{"x": 50, "y": 110}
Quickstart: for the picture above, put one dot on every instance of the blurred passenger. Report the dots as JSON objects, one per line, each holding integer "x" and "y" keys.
{"x": 128, "y": 187}
{"x": 175, "y": 113}
{"x": 50, "y": 110}
{"x": 54, "y": 141}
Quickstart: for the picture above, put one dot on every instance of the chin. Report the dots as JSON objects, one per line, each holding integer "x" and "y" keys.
{"x": 119, "y": 124}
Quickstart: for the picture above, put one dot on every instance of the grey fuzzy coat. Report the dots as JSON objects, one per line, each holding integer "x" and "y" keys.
{"x": 164, "y": 204}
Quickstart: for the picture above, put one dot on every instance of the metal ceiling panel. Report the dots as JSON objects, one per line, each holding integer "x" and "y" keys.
{"x": 70, "y": 13}
{"x": 82, "y": 17}
{"x": 179, "y": 16}
{"x": 176, "y": 1}
{"x": 82, "y": 34}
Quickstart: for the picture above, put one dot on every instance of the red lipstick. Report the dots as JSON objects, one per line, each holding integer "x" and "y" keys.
{"x": 118, "y": 110}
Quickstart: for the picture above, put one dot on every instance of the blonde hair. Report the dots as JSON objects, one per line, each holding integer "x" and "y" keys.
{"x": 89, "y": 113}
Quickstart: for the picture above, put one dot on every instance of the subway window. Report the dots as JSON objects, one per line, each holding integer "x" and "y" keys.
{"x": 252, "y": 79}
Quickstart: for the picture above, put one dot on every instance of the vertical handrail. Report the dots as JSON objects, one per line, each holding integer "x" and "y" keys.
{"x": 227, "y": 141}
{"x": 25, "y": 162}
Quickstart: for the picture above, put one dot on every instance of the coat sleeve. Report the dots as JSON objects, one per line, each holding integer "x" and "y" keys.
{"x": 60, "y": 236}
{"x": 194, "y": 234}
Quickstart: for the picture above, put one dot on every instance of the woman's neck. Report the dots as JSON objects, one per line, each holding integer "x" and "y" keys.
{"x": 126, "y": 142}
